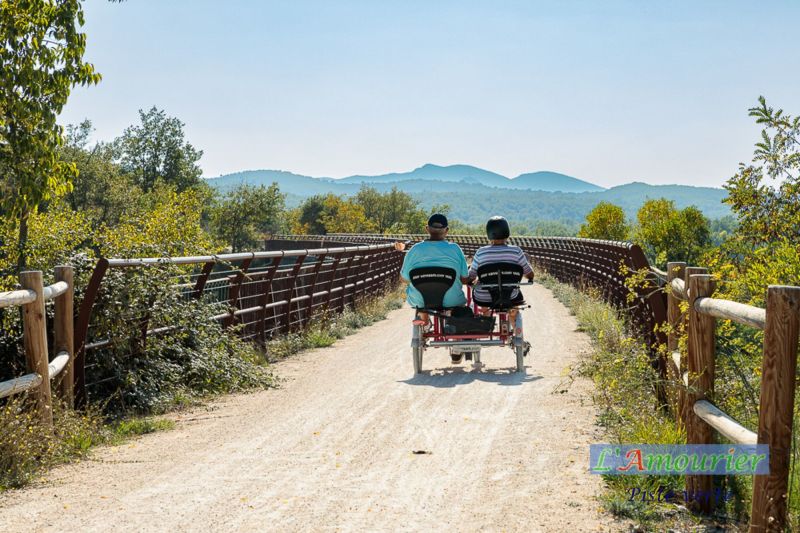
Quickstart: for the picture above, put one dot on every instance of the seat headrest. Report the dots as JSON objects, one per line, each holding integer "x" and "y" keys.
{"x": 432, "y": 283}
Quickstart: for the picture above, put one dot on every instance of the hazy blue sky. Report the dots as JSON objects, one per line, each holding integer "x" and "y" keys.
{"x": 608, "y": 91}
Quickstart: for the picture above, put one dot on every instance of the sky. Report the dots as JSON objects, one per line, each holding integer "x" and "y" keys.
{"x": 606, "y": 91}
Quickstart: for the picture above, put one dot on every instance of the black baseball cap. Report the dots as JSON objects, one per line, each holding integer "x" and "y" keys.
{"x": 437, "y": 220}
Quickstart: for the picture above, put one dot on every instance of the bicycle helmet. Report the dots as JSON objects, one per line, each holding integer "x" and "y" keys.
{"x": 497, "y": 228}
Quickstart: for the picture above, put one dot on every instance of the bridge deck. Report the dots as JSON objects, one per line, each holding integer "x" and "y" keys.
{"x": 332, "y": 448}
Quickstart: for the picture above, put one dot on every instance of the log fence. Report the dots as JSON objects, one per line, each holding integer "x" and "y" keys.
{"x": 32, "y": 298}
{"x": 694, "y": 374}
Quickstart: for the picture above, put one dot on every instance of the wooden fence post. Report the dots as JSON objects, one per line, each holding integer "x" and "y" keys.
{"x": 700, "y": 361}
{"x": 675, "y": 270}
{"x": 63, "y": 334}
{"x": 770, "y": 492}
{"x": 35, "y": 341}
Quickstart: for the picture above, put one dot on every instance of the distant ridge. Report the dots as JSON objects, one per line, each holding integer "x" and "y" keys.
{"x": 553, "y": 181}
{"x": 467, "y": 174}
{"x": 474, "y": 194}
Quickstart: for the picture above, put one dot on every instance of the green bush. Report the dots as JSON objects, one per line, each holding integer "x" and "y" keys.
{"x": 195, "y": 357}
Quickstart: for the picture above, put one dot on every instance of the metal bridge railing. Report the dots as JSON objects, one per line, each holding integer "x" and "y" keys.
{"x": 262, "y": 293}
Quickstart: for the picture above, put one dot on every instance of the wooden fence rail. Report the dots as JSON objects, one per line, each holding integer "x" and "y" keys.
{"x": 41, "y": 370}
{"x": 780, "y": 322}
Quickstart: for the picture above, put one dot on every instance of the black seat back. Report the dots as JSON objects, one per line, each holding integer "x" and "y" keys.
{"x": 432, "y": 283}
{"x": 500, "y": 280}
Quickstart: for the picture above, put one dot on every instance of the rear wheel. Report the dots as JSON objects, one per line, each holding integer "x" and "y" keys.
{"x": 417, "y": 355}
{"x": 520, "y": 351}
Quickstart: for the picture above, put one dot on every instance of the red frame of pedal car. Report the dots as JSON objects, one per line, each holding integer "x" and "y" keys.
{"x": 436, "y": 334}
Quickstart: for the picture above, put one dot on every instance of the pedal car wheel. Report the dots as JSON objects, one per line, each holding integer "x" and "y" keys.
{"x": 520, "y": 351}
{"x": 417, "y": 355}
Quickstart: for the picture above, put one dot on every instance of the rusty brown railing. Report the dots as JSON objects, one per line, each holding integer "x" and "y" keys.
{"x": 262, "y": 293}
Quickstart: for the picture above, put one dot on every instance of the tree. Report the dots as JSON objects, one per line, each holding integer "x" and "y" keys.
{"x": 308, "y": 217}
{"x": 340, "y": 215}
{"x": 769, "y": 211}
{"x": 246, "y": 213}
{"x": 155, "y": 150}
{"x": 41, "y": 53}
{"x": 391, "y": 212}
{"x": 668, "y": 234}
{"x": 605, "y": 221}
{"x": 761, "y": 249}
{"x": 100, "y": 189}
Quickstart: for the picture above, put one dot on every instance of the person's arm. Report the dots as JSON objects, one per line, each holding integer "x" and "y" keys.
{"x": 473, "y": 269}
{"x": 527, "y": 269}
{"x": 463, "y": 268}
{"x": 405, "y": 270}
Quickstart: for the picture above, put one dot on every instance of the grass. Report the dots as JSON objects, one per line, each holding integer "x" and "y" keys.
{"x": 629, "y": 414}
{"x": 28, "y": 448}
{"x": 133, "y": 427}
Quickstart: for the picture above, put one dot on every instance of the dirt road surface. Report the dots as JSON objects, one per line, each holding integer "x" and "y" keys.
{"x": 333, "y": 449}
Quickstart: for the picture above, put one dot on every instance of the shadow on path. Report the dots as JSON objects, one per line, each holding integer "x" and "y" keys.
{"x": 459, "y": 375}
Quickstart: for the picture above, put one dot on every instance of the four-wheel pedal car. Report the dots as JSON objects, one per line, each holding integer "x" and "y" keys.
{"x": 465, "y": 330}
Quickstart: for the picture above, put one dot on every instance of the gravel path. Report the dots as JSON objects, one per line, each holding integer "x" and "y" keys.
{"x": 333, "y": 448}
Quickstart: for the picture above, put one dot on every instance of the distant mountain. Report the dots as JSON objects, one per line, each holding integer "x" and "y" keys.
{"x": 552, "y": 181}
{"x": 431, "y": 172}
{"x": 474, "y": 194}
{"x": 463, "y": 174}
{"x": 288, "y": 182}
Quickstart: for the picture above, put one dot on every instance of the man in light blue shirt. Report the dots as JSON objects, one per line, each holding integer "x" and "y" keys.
{"x": 436, "y": 252}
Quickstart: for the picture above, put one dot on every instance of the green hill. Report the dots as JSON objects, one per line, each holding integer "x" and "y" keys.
{"x": 474, "y": 194}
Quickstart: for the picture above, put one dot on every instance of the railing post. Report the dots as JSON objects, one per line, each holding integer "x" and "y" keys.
{"x": 287, "y": 318}
{"x": 676, "y": 270}
{"x": 700, "y": 361}
{"x": 82, "y": 331}
{"x": 266, "y": 296}
{"x": 309, "y": 307}
{"x": 63, "y": 334}
{"x": 235, "y": 287}
{"x": 35, "y": 340}
{"x": 770, "y": 492}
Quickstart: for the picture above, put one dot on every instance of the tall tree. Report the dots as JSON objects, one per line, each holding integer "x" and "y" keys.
{"x": 308, "y": 217}
{"x": 605, "y": 221}
{"x": 246, "y": 213}
{"x": 156, "y": 150}
{"x": 342, "y": 215}
{"x": 41, "y": 53}
{"x": 391, "y": 212}
{"x": 100, "y": 189}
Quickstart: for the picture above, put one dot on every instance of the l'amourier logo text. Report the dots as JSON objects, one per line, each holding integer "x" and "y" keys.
{"x": 648, "y": 459}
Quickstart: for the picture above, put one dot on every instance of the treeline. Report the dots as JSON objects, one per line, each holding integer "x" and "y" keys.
{"x": 664, "y": 232}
